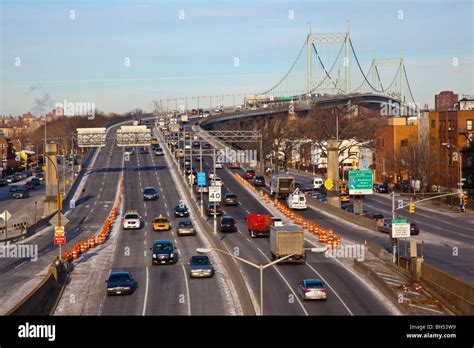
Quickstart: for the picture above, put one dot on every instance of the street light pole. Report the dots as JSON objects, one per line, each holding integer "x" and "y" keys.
{"x": 58, "y": 205}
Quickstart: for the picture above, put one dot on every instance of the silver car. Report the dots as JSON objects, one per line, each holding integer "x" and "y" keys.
{"x": 312, "y": 289}
{"x": 200, "y": 266}
{"x": 185, "y": 228}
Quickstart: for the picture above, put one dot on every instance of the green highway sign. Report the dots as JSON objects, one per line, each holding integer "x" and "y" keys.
{"x": 400, "y": 221}
{"x": 360, "y": 182}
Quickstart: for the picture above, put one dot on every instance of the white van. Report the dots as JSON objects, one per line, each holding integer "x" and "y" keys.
{"x": 297, "y": 200}
{"x": 317, "y": 183}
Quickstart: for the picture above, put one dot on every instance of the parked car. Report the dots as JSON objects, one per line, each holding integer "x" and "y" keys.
{"x": 312, "y": 289}
{"x": 30, "y": 185}
{"x": 120, "y": 283}
{"x": 36, "y": 181}
{"x": 200, "y": 266}
{"x": 381, "y": 188}
{"x": 23, "y": 192}
{"x": 3, "y": 182}
{"x": 14, "y": 188}
{"x": 40, "y": 176}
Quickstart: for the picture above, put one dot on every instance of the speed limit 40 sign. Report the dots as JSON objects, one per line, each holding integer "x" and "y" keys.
{"x": 215, "y": 194}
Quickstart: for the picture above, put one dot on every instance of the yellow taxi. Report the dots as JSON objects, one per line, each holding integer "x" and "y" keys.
{"x": 161, "y": 223}
{"x": 154, "y": 141}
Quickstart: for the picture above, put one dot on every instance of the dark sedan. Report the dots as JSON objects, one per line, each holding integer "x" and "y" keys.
{"x": 387, "y": 227}
{"x": 22, "y": 192}
{"x": 30, "y": 185}
{"x": 200, "y": 266}
{"x": 3, "y": 182}
{"x": 181, "y": 210}
{"x": 227, "y": 224}
{"x": 211, "y": 211}
{"x": 120, "y": 283}
{"x": 258, "y": 181}
{"x": 230, "y": 199}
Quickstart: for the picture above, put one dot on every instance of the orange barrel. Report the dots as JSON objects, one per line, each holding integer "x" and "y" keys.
{"x": 83, "y": 248}
{"x": 305, "y": 223}
{"x": 322, "y": 238}
{"x": 322, "y": 230}
{"x": 316, "y": 228}
{"x": 338, "y": 240}
{"x": 92, "y": 242}
{"x": 292, "y": 216}
{"x": 329, "y": 246}
{"x": 331, "y": 232}
{"x": 86, "y": 244}
{"x": 311, "y": 227}
{"x": 74, "y": 254}
{"x": 261, "y": 193}
{"x": 100, "y": 239}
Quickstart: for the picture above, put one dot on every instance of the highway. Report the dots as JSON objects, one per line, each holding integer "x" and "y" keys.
{"x": 92, "y": 208}
{"x": 440, "y": 232}
{"x": 349, "y": 297}
{"x": 162, "y": 289}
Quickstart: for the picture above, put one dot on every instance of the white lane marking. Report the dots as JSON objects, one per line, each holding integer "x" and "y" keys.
{"x": 330, "y": 287}
{"x": 175, "y": 241}
{"x": 146, "y": 213}
{"x": 144, "y": 242}
{"x": 21, "y": 264}
{"x": 146, "y": 291}
{"x": 428, "y": 309}
{"x": 144, "y": 253}
{"x": 286, "y": 282}
{"x": 187, "y": 289}
{"x": 87, "y": 218}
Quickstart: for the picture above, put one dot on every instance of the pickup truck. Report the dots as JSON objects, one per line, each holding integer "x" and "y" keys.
{"x": 258, "y": 225}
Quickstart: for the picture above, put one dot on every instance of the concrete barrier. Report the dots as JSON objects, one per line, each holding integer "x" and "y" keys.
{"x": 386, "y": 289}
{"x": 342, "y": 214}
{"x": 41, "y": 300}
{"x": 456, "y": 291}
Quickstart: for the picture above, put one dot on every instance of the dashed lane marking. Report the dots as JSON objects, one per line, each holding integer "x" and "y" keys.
{"x": 146, "y": 291}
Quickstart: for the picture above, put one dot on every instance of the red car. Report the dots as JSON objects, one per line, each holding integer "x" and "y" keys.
{"x": 249, "y": 174}
{"x": 40, "y": 176}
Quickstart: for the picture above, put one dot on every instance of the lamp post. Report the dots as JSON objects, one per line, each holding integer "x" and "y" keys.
{"x": 260, "y": 267}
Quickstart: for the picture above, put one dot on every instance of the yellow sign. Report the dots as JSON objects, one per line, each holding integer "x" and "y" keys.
{"x": 59, "y": 231}
{"x": 328, "y": 184}
{"x": 23, "y": 155}
{"x": 43, "y": 168}
{"x": 67, "y": 182}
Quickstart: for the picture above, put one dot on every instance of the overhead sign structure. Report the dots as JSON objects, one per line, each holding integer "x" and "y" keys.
{"x": 91, "y": 137}
{"x": 134, "y": 136}
{"x": 201, "y": 178}
{"x": 215, "y": 194}
{"x": 360, "y": 182}
{"x": 400, "y": 228}
{"x": 328, "y": 184}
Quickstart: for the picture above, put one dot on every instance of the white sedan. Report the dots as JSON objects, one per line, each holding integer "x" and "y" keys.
{"x": 216, "y": 181}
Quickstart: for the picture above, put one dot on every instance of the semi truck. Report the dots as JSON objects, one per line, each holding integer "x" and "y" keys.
{"x": 258, "y": 225}
{"x": 282, "y": 185}
{"x": 286, "y": 240}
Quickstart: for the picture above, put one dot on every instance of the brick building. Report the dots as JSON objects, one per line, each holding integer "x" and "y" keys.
{"x": 456, "y": 128}
{"x": 445, "y": 100}
{"x": 395, "y": 147}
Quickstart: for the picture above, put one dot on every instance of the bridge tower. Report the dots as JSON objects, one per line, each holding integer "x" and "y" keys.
{"x": 328, "y": 38}
{"x": 378, "y": 63}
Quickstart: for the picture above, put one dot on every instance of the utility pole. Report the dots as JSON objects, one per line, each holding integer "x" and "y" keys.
{"x": 215, "y": 212}
{"x": 200, "y": 169}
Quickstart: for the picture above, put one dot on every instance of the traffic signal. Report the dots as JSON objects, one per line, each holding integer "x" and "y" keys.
{"x": 411, "y": 208}
{"x": 464, "y": 200}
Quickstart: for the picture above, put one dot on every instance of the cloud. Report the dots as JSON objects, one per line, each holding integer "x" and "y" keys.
{"x": 33, "y": 88}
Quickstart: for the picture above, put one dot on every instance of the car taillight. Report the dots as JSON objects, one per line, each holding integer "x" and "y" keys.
{"x": 307, "y": 291}
{"x": 323, "y": 291}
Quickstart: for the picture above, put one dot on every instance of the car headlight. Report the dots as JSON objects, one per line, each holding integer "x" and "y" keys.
{"x": 154, "y": 256}
{"x": 171, "y": 255}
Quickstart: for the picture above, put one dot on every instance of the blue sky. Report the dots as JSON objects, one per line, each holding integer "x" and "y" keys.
{"x": 82, "y": 59}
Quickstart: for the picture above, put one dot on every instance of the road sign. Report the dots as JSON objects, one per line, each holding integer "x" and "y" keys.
{"x": 5, "y": 215}
{"x": 328, "y": 184}
{"x": 360, "y": 182}
{"x": 214, "y": 194}
{"x": 400, "y": 228}
{"x": 91, "y": 137}
{"x": 59, "y": 231}
{"x": 54, "y": 220}
{"x": 201, "y": 176}
{"x": 59, "y": 240}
